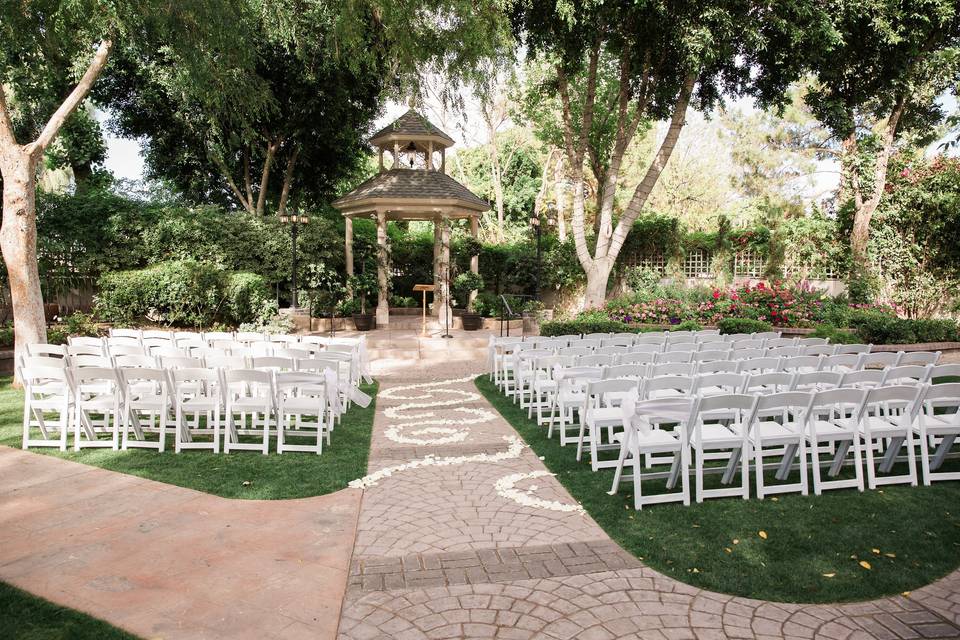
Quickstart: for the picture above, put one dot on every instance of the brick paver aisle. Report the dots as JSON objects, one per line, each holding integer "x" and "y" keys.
{"x": 476, "y": 540}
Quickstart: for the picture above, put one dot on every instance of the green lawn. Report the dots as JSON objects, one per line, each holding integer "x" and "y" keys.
{"x": 241, "y": 474}
{"x": 908, "y": 536}
{"x": 27, "y": 617}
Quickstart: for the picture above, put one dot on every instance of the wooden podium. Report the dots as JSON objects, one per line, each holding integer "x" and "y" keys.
{"x": 424, "y": 288}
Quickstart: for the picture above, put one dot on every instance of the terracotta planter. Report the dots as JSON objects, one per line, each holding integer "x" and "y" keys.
{"x": 364, "y": 322}
{"x": 471, "y": 321}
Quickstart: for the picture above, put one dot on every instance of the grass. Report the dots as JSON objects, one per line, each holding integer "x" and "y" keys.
{"x": 27, "y": 617}
{"x": 242, "y": 474}
{"x": 813, "y": 545}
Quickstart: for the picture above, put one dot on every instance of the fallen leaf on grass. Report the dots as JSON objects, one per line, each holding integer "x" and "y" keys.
{"x": 246, "y": 483}
{"x": 736, "y": 541}
{"x": 763, "y": 534}
{"x": 865, "y": 565}
{"x": 829, "y": 575}
{"x": 728, "y": 549}
{"x": 890, "y": 555}
{"x": 876, "y": 551}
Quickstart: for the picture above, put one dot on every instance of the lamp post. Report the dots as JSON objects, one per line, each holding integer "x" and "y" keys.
{"x": 294, "y": 220}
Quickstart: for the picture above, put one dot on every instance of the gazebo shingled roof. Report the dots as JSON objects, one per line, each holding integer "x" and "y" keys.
{"x": 411, "y": 126}
{"x": 398, "y": 187}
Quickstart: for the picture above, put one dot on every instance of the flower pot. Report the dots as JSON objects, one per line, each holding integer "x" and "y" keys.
{"x": 364, "y": 322}
{"x": 471, "y": 321}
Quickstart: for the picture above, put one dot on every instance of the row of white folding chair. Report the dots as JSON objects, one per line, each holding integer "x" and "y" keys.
{"x": 789, "y": 425}
{"x": 102, "y": 400}
{"x": 567, "y": 392}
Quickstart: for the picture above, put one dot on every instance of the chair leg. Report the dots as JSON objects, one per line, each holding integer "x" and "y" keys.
{"x": 871, "y": 472}
{"x": 758, "y": 467}
{"x": 815, "y": 457}
{"x": 911, "y": 457}
{"x": 857, "y": 460}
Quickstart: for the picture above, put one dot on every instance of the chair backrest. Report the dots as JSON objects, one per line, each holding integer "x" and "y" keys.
{"x": 606, "y": 343}
{"x": 552, "y": 343}
{"x": 853, "y": 348}
{"x": 248, "y": 336}
{"x": 188, "y": 335}
{"x": 635, "y": 358}
{"x": 775, "y": 343}
{"x": 759, "y": 365}
{"x": 902, "y": 400}
{"x": 226, "y": 362}
{"x": 798, "y": 363}
{"x": 671, "y": 369}
{"x": 570, "y": 377}
{"x": 180, "y": 362}
{"x": 272, "y": 362}
{"x": 596, "y": 336}
{"x": 841, "y": 362}
{"x": 162, "y": 334}
{"x": 125, "y": 333}
{"x": 596, "y": 389}
{"x": 717, "y": 366}
{"x": 784, "y": 352}
{"x": 749, "y": 343}
{"x": 919, "y": 357}
{"x": 625, "y": 336}
{"x": 682, "y": 346}
{"x": 650, "y": 338}
{"x": 37, "y": 381}
{"x": 767, "y": 405}
{"x": 575, "y": 351}
{"x": 293, "y": 352}
{"x": 317, "y": 364}
{"x": 770, "y": 382}
{"x": 812, "y": 342}
{"x": 43, "y": 362}
{"x": 941, "y": 371}
{"x": 625, "y": 371}
{"x": 186, "y": 379}
{"x": 85, "y": 341}
{"x": 748, "y": 354}
{"x": 126, "y": 350}
{"x": 158, "y": 343}
{"x": 647, "y": 347}
{"x": 169, "y": 352}
{"x": 115, "y": 341}
{"x": 818, "y": 350}
{"x": 767, "y": 335}
{"x": 680, "y": 336}
{"x": 880, "y": 359}
{"x": 724, "y": 404}
{"x": 592, "y": 343}
{"x": 211, "y": 336}
{"x": 85, "y": 350}
{"x": 595, "y": 360}
{"x": 710, "y": 356}
{"x": 725, "y": 382}
{"x": 132, "y": 361}
{"x": 84, "y": 362}
{"x": 906, "y": 374}
{"x": 715, "y": 345}
{"x": 941, "y": 398}
{"x": 862, "y": 378}
{"x": 674, "y": 356}
{"x": 612, "y": 350}
{"x": 816, "y": 380}
{"x": 681, "y": 409}
{"x": 248, "y": 382}
{"x": 129, "y": 375}
{"x": 94, "y": 374}
{"x": 43, "y": 349}
{"x": 736, "y": 337}
{"x": 683, "y": 384}
{"x": 283, "y": 338}
{"x": 842, "y": 402}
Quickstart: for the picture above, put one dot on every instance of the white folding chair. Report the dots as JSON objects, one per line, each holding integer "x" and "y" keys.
{"x": 250, "y": 400}
{"x": 213, "y": 336}
{"x": 828, "y": 423}
{"x": 750, "y": 343}
{"x": 122, "y": 341}
{"x": 85, "y": 345}
{"x": 181, "y": 362}
{"x": 125, "y": 333}
{"x": 602, "y": 411}
{"x": 632, "y": 371}
{"x": 674, "y": 356}
{"x": 680, "y": 336}
{"x": 226, "y": 362}
{"x": 161, "y": 334}
{"x": 938, "y": 420}
{"x": 249, "y": 337}
{"x": 196, "y": 394}
{"x": 776, "y": 428}
{"x": 682, "y": 346}
{"x": 886, "y": 416}
{"x": 135, "y": 362}
{"x": 919, "y": 357}
{"x": 775, "y": 343}
{"x": 784, "y": 352}
{"x": 863, "y": 378}
{"x": 146, "y": 406}
{"x": 711, "y": 356}
{"x": 716, "y": 345}
{"x": 43, "y": 349}
{"x": 570, "y": 396}
{"x": 767, "y": 383}
{"x": 670, "y": 369}
{"x": 640, "y": 440}
{"x": 98, "y": 397}
{"x": 758, "y": 365}
{"x": 303, "y": 411}
{"x": 114, "y": 350}
{"x": 909, "y": 374}
{"x": 84, "y": 362}
{"x": 749, "y": 354}
{"x": 841, "y": 362}
{"x": 717, "y": 366}
{"x": 767, "y": 335}
{"x": 272, "y": 363}
{"x": 855, "y": 349}
{"x": 800, "y": 364}
{"x": 818, "y": 350}
{"x": 813, "y": 381}
{"x": 880, "y": 359}
{"x": 717, "y": 432}
{"x": 812, "y": 342}
{"x": 635, "y": 358}
{"x": 940, "y": 373}
{"x": 715, "y": 384}
{"x": 47, "y": 404}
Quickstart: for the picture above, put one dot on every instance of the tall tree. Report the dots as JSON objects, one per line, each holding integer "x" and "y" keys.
{"x": 661, "y": 58}
{"x": 881, "y": 80}
{"x": 199, "y": 34}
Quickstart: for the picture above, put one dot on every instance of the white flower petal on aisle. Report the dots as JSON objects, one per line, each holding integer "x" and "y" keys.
{"x": 428, "y": 423}
{"x": 506, "y": 487}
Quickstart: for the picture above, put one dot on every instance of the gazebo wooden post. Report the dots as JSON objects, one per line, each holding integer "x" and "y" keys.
{"x": 445, "y": 310}
{"x": 383, "y": 304}
{"x": 436, "y": 266}
{"x": 348, "y": 252}
{"x": 474, "y": 259}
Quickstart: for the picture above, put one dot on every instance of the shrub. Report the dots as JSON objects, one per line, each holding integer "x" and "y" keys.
{"x": 6, "y": 337}
{"x": 81, "y": 324}
{"x": 464, "y": 283}
{"x": 880, "y": 328}
{"x": 578, "y": 326}
{"x": 244, "y": 295}
{"x": 834, "y": 335}
{"x": 930, "y": 330}
{"x": 743, "y": 325}
{"x": 687, "y": 325}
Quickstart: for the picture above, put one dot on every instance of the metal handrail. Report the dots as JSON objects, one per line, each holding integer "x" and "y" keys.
{"x": 510, "y": 313}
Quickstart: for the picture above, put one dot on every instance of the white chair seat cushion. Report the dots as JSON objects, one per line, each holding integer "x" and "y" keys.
{"x": 604, "y": 415}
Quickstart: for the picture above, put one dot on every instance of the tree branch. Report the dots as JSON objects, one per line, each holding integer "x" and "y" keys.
{"x": 287, "y": 180}
{"x": 233, "y": 186}
{"x": 8, "y": 139}
{"x": 79, "y": 93}
{"x": 248, "y": 183}
{"x": 265, "y": 176}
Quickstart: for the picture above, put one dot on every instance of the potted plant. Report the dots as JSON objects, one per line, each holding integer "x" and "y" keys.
{"x": 533, "y": 313}
{"x": 363, "y": 285}
{"x": 463, "y": 285}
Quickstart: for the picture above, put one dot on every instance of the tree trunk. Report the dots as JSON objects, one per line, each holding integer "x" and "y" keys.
{"x": 560, "y": 196}
{"x": 18, "y": 240}
{"x": 495, "y": 171}
{"x": 598, "y": 275}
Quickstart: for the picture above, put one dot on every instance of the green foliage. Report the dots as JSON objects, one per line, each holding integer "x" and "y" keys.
{"x": 6, "y": 336}
{"x": 181, "y": 293}
{"x": 245, "y": 295}
{"x": 520, "y": 164}
{"x": 269, "y": 320}
{"x": 582, "y": 325}
{"x": 464, "y": 283}
{"x": 877, "y": 327}
{"x": 687, "y": 325}
{"x": 56, "y": 335}
{"x": 743, "y": 325}
{"x": 834, "y": 335}
{"x": 404, "y": 302}
{"x": 81, "y": 324}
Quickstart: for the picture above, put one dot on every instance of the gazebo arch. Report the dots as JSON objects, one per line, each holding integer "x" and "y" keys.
{"x": 421, "y": 191}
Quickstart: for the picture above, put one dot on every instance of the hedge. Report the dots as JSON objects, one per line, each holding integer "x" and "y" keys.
{"x": 743, "y": 325}
{"x": 882, "y": 328}
{"x": 181, "y": 292}
{"x": 576, "y": 327}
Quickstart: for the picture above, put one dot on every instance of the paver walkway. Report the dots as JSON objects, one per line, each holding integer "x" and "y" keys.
{"x": 166, "y": 562}
{"x": 459, "y": 532}
{"x": 480, "y": 542}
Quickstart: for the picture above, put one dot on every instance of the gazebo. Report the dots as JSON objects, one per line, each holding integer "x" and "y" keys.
{"x": 414, "y": 187}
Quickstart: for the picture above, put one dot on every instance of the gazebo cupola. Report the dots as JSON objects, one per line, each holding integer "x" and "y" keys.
{"x": 411, "y": 184}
